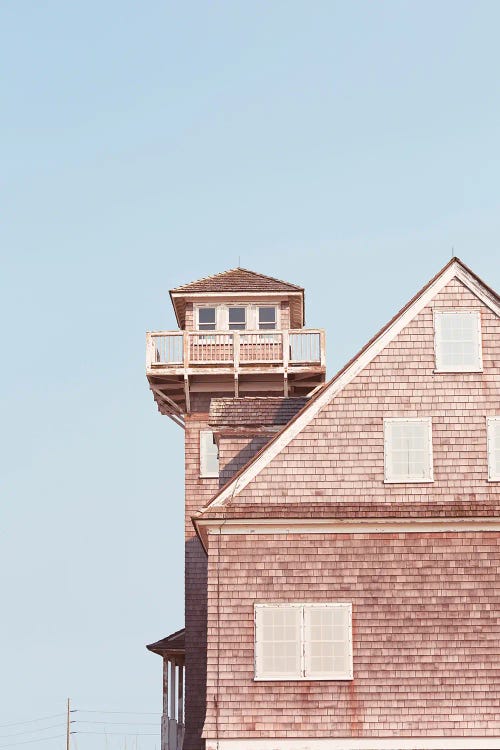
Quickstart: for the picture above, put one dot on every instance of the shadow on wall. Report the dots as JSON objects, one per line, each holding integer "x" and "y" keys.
{"x": 242, "y": 457}
{"x": 196, "y": 643}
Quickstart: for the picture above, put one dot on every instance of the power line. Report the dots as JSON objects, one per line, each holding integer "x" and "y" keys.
{"x": 109, "y": 723}
{"x": 40, "y": 739}
{"x": 30, "y": 731}
{"x": 119, "y": 734}
{"x": 30, "y": 721}
{"x": 127, "y": 713}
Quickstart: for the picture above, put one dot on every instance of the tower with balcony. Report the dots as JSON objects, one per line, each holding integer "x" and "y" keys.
{"x": 241, "y": 342}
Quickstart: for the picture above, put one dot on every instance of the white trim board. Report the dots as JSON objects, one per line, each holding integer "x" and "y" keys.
{"x": 232, "y": 295}
{"x": 348, "y": 525}
{"x": 364, "y": 743}
{"x": 451, "y": 271}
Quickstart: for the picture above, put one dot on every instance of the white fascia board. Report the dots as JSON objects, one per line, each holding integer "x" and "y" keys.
{"x": 231, "y": 295}
{"x": 454, "y": 270}
{"x": 348, "y": 525}
{"x": 364, "y": 743}
{"x": 481, "y": 292}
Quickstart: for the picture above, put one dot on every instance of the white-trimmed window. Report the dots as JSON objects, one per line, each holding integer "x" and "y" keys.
{"x": 457, "y": 337}
{"x": 237, "y": 318}
{"x": 209, "y": 454}
{"x": 408, "y": 450}
{"x": 266, "y": 318}
{"x": 234, "y": 317}
{"x": 493, "y": 429}
{"x": 303, "y": 641}
{"x": 207, "y": 318}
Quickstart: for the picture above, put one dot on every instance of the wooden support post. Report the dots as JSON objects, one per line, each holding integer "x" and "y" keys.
{"x": 180, "y": 695}
{"x": 285, "y": 343}
{"x": 186, "y": 393}
{"x": 185, "y": 349}
{"x": 164, "y": 716}
{"x": 322, "y": 346}
{"x": 172, "y": 690}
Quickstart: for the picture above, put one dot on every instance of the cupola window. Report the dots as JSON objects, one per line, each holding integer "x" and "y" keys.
{"x": 237, "y": 318}
{"x": 206, "y": 318}
{"x": 267, "y": 318}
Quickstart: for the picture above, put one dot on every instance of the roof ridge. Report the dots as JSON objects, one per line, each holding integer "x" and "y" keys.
{"x": 231, "y": 487}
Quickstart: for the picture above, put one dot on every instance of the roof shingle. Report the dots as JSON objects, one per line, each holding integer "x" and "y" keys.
{"x": 254, "y": 410}
{"x": 238, "y": 280}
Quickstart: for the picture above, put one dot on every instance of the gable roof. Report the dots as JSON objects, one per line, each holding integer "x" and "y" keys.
{"x": 237, "y": 280}
{"x": 259, "y": 411}
{"x": 455, "y": 268}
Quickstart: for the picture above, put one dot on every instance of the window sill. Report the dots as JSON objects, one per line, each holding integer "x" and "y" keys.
{"x": 460, "y": 371}
{"x": 208, "y": 476}
{"x": 304, "y": 679}
{"x": 408, "y": 481}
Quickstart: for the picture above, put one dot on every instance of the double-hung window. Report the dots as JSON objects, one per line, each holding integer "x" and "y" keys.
{"x": 303, "y": 641}
{"x": 237, "y": 318}
{"x": 266, "y": 318}
{"x": 207, "y": 318}
{"x": 408, "y": 450}
{"x": 209, "y": 455}
{"x": 493, "y": 429}
{"x": 458, "y": 341}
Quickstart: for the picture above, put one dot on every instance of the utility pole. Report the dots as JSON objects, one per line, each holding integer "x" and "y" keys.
{"x": 68, "y": 735}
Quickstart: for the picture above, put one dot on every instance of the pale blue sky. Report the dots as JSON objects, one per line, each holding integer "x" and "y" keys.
{"x": 345, "y": 146}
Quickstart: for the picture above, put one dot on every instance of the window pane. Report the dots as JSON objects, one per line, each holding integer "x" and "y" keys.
{"x": 494, "y": 448}
{"x": 267, "y": 318}
{"x": 458, "y": 341}
{"x": 278, "y": 641}
{"x": 209, "y": 455}
{"x": 327, "y": 641}
{"x": 206, "y": 318}
{"x": 237, "y": 318}
{"x": 407, "y": 448}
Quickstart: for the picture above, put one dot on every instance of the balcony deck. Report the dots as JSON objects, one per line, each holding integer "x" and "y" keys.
{"x": 178, "y": 363}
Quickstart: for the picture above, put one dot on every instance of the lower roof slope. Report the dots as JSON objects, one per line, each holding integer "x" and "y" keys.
{"x": 262, "y": 411}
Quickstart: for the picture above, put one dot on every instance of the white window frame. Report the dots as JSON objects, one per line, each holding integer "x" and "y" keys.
{"x": 303, "y": 675}
{"x": 246, "y": 309}
{"x": 222, "y": 316}
{"x": 257, "y": 318}
{"x": 204, "y": 472}
{"x": 387, "y": 460}
{"x": 493, "y": 435}
{"x": 438, "y": 367}
{"x": 205, "y": 331}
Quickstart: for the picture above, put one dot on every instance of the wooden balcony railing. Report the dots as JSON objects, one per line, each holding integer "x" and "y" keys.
{"x": 184, "y": 349}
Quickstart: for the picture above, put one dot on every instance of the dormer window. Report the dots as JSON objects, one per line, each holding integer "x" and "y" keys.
{"x": 206, "y": 318}
{"x": 458, "y": 341}
{"x": 267, "y": 318}
{"x": 237, "y": 318}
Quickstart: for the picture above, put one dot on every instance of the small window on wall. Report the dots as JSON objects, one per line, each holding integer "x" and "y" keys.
{"x": 267, "y": 318}
{"x": 458, "y": 341}
{"x": 209, "y": 455}
{"x": 493, "y": 449}
{"x": 303, "y": 642}
{"x": 237, "y": 318}
{"x": 206, "y": 318}
{"x": 408, "y": 450}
